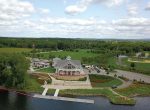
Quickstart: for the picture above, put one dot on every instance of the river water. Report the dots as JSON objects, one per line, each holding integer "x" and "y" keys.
{"x": 13, "y": 101}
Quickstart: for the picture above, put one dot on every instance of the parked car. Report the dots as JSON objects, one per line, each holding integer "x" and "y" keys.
{"x": 114, "y": 86}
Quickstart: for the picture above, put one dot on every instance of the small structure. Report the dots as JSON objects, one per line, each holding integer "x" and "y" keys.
{"x": 39, "y": 63}
{"x": 67, "y": 66}
{"x": 138, "y": 54}
{"x": 142, "y": 55}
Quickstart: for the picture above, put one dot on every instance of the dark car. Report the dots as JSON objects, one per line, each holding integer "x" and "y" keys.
{"x": 114, "y": 86}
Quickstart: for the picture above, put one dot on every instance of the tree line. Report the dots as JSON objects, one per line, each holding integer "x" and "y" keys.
{"x": 122, "y": 47}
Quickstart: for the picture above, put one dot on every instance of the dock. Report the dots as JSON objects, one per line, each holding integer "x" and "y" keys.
{"x": 64, "y": 99}
{"x": 45, "y": 91}
{"x": 56, "y": 92}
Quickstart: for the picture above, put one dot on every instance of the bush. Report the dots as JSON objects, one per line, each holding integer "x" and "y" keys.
{"x": 49, "y": 81}
{"x": 83, "y": 79}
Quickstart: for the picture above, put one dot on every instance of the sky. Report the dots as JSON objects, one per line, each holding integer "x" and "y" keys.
{"x": 101, "y": 19}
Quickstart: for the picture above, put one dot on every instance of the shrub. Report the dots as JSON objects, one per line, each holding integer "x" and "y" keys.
{"x": 49, "y": 81}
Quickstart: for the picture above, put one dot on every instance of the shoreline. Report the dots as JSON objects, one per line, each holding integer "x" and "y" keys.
{"x": 29, "y": 94}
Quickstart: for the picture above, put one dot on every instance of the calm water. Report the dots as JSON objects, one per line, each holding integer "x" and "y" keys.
{"x": 13, "y": 101}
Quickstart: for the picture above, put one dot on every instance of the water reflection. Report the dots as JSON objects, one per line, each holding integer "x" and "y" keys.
{"x": 21, "y": 102}
{"x": 4, "y": 99}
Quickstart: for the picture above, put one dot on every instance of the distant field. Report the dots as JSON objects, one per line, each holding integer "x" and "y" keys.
{"x": 74, "y": 55}
{"x": 14, "y": 50}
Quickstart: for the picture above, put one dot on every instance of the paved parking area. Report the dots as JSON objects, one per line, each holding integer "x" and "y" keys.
{"x": 133, "y": 75}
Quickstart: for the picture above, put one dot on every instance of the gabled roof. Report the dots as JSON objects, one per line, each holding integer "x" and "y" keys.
{"x": 62, "y": 63}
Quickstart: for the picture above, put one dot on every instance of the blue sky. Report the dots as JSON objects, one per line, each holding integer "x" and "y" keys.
{"x": 126, "y": 19}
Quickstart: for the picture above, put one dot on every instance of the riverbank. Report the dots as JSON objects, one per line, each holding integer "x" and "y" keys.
{"x": 135, "y": 89}
{"x": 114, "y": 98}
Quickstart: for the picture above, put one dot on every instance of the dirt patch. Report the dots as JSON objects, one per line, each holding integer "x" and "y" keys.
{"x": 136, "y": 61}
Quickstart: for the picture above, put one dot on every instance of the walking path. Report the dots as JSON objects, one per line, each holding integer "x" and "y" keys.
{"x": 118, "y": 94}
{"x": 64, "y": 99}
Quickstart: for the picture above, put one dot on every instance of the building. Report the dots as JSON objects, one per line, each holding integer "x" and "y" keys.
{"x": 39, "y": 63}
{"x": 67, "y": 66}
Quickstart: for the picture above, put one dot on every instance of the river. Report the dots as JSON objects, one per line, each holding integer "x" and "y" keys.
{"x": 14, "y": 101}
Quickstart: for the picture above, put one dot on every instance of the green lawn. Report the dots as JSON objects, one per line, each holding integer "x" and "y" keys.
{"x": 47, "y": 70}
{"x": 74, "y": 55}
{"x": 104, "y": 81}
{"x": 14, "y": 50}
{"x": 114, "y": 98}
{"x": 135, "y": 89}
{"x": 112, "y": 61}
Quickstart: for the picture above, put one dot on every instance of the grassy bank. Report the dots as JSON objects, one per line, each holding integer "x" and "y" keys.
{"x": 33, "y": 86}
{"x": 135, "y": 90}
{"x": 114, "y": 98}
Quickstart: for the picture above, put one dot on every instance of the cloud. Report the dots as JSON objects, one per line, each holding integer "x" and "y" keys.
{"x": 44, "y": 10}
{"x": 84, "y": 4}
{"x": 16, "y": 19}
{"x": 126, "y": 27}
{"x": 73, "y": 9}
{"x": 73, "y": 21}
{"x": 15, "y": 9}
{"x": 148, "y": 6}
{"x": 133, "y": 21}
{"x": 133, "y": 9}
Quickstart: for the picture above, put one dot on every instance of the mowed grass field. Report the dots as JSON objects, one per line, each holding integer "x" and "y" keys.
{"x": 139, "y": 67}
{"x": 74, "y": 55}
{"x": 14, "y": 50}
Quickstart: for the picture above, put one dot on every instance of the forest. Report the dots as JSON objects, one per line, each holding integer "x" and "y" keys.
{"x": 98, "y": 46}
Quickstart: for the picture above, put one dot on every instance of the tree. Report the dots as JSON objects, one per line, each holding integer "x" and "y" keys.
{"x": 132, "y": 65}
{"x": 13, "y": 70}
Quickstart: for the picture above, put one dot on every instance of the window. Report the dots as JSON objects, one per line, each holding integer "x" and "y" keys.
{"x": 69, "y": 66}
